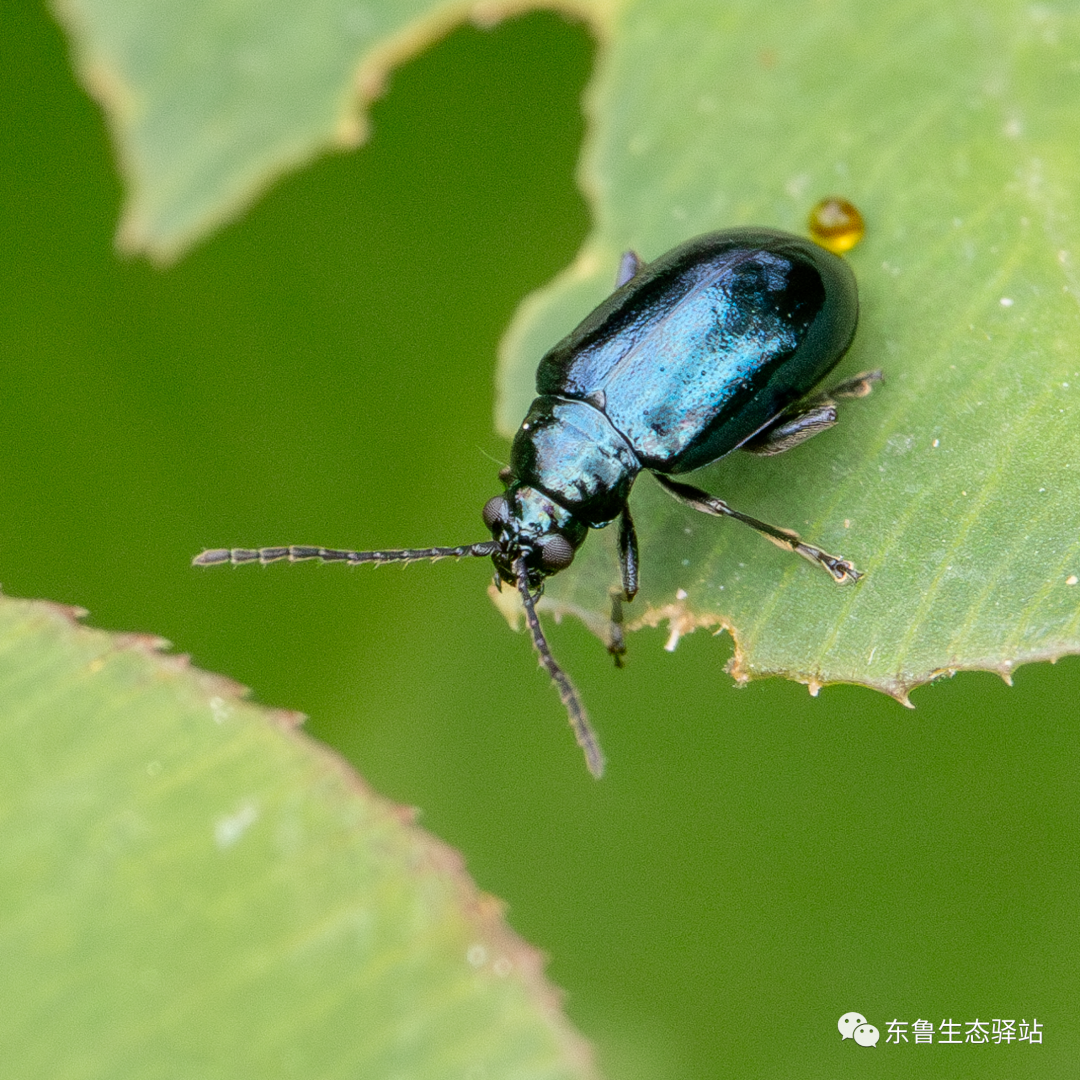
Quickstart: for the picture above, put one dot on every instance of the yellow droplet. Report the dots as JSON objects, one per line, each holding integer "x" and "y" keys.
{"x": 836, "y": 224}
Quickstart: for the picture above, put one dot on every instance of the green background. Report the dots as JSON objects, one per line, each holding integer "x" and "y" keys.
{"x": 756, "y": 862}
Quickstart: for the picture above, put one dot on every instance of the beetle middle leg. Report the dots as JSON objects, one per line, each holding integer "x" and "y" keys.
{"x": 840, "y": 569}
{"x": 630, "y": 265}
{"x": 807, "y": 418}
{"x": 628, "y": 566}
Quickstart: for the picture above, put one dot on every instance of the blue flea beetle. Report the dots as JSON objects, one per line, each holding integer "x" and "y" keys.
{"x": 713, "y": 347}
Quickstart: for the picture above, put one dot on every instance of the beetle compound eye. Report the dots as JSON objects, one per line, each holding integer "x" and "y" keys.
{"x": 836, "y": 224}
{"x": 556, "y": 552}
{"x": 496, "y": 512}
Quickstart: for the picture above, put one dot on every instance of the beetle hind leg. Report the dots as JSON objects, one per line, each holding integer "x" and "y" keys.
{"x": 839, "y": 569}
{"x": 789, "y": 430}
{"x": 808, "y": 417}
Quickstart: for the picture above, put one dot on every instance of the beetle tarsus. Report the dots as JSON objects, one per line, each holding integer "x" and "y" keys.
{"x": 616, "y": 638}
{"x": 579, "y": 722}
{"x": 841, "y": 570}
{"x": 858, "y": 386}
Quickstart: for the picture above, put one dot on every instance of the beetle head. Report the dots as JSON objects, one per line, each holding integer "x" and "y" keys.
{"x": 527, "y": 523}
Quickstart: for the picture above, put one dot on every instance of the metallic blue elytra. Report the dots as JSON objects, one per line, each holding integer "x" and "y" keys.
{"x": 713, "y": 347}
{"x": 705, "y": 346}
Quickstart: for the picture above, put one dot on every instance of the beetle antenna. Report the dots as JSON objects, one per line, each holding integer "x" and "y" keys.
{"x": 583, "y": 732}
{"x": 295, "y": 553}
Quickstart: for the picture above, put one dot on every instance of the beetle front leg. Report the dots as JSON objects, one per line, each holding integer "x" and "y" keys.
{"x": 840, "y": 569}
{"x": 628, "y": 566}
{"x": 808, "y": 418}
{"x": 628, "y": 554}
{"x": 616, "y": 638}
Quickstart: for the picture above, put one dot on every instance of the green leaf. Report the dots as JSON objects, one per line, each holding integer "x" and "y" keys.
{"x": 956, "y": 485}
{"x": 209, "y": 102}
{"x": 953, "y": 126}
{"x": 192, "y": 888}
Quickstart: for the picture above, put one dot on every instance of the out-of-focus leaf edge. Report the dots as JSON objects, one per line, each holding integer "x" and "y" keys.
{"x": 349, "y": 128}
{"x": 426, "y": 855}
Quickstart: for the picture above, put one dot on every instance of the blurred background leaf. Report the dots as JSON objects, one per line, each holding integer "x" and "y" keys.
{"x": 755, "y": 864}
{"x": 189, "y": 889}
{"x": 209, "y": 102}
